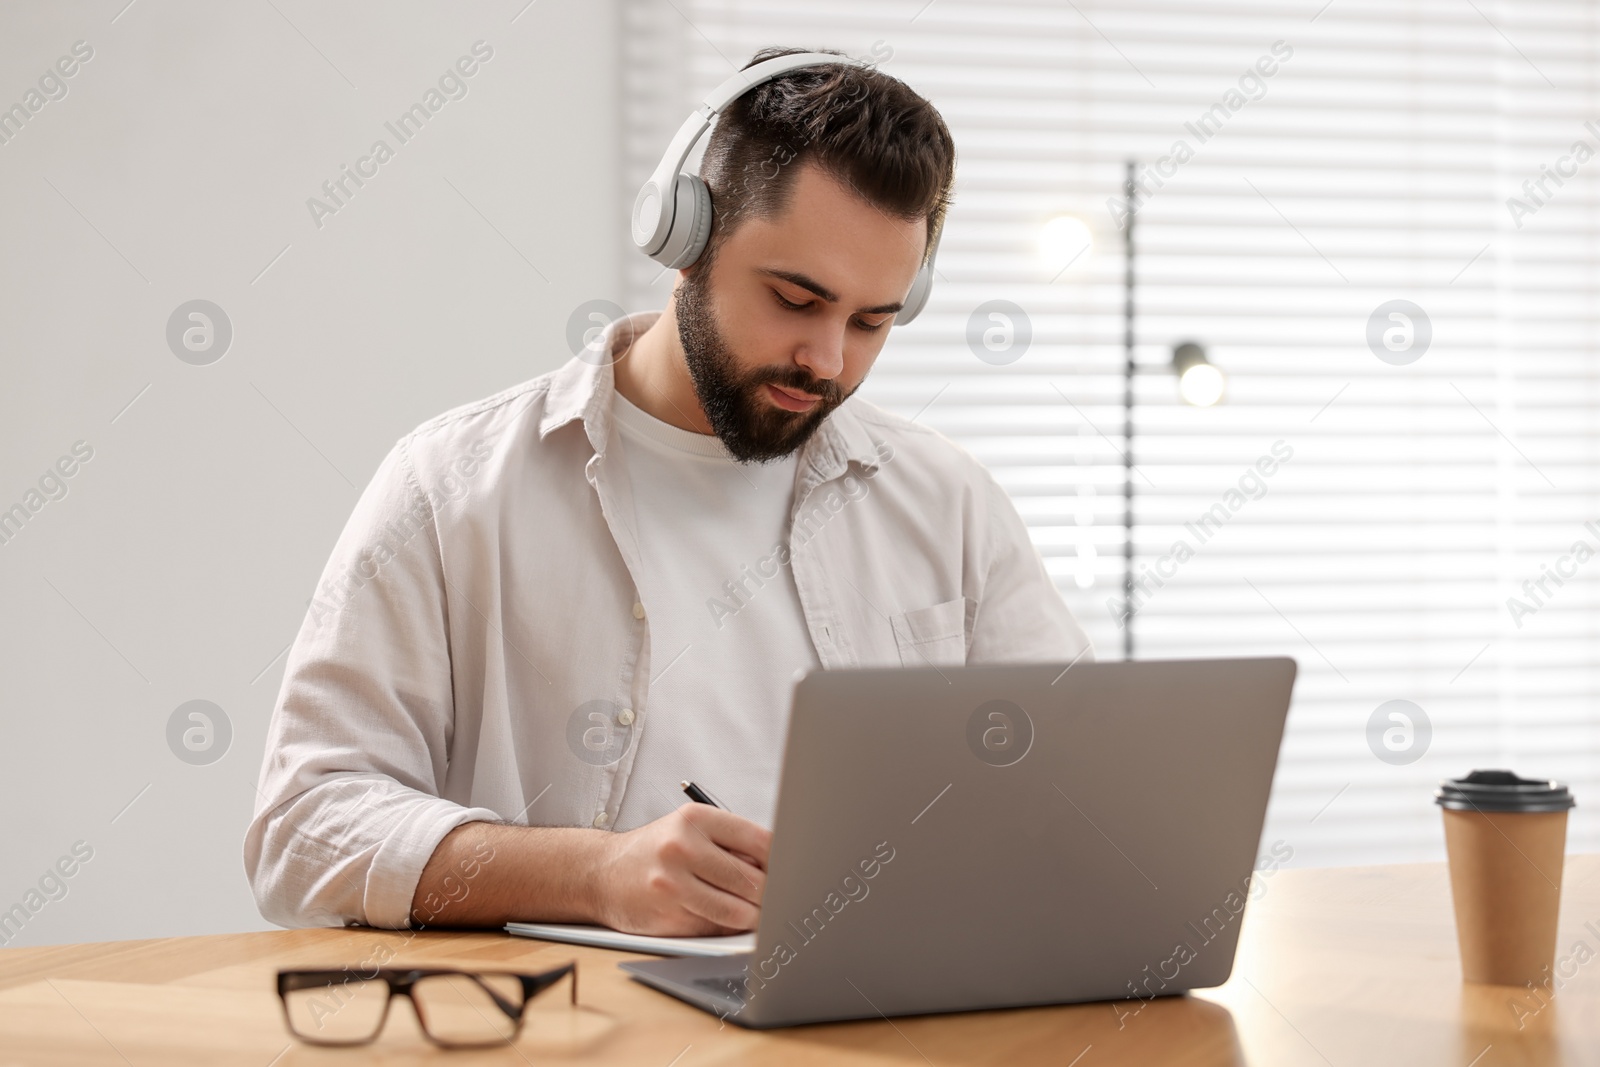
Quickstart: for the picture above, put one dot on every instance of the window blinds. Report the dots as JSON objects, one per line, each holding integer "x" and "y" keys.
{"x": 1403, "y": 504}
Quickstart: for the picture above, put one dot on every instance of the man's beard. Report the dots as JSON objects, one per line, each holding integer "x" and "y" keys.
{"x": 741, "y": 414}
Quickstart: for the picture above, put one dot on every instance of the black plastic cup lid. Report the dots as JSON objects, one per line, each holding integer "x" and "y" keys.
{"x": 1502, "y": 791}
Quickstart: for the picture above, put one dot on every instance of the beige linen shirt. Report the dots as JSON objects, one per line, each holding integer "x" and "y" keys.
{"x": 477, "y": 649}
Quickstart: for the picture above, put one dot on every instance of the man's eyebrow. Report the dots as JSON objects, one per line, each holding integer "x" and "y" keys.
{"x": 818, "y": 289}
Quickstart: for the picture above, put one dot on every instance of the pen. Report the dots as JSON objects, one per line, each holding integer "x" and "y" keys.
{"x": 698, "y": 795}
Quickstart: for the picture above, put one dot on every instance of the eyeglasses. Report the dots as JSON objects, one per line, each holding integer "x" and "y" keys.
{"x": 457, "y": 1009}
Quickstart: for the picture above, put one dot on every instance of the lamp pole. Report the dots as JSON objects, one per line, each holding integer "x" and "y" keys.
{"x": 1128, "y": 190}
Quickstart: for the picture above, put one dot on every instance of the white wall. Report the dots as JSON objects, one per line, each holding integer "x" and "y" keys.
{"x": 180, "y": 561}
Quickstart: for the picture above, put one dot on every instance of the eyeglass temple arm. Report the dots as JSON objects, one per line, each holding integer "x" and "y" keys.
{"x": 534, "y": 984}
{"x": 289, "y": 981}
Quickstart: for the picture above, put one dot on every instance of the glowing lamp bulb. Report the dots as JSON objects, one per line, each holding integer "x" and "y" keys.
{"x": 1065, "y": 241}
{"x": 1201, "y": 385}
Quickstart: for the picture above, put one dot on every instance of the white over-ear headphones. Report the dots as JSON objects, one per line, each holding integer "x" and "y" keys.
{"x": 672, "y": 213}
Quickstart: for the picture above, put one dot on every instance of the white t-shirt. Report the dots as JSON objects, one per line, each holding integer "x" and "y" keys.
{"x": 725, "y": 640}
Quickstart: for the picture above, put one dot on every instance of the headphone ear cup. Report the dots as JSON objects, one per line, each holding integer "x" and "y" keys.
{"x": 921, "y": 286}
{"x": 691, "y": 223}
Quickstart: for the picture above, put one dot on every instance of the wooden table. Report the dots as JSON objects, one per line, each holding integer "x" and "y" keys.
{"x": 1347, "y": 966}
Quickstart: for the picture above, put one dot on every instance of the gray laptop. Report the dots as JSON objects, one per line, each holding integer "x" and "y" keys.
{"x": 955, "y": 838}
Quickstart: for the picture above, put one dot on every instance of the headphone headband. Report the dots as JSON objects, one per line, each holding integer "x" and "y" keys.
{"x": 652, "y": 217}
{"x": 672, "y": 213}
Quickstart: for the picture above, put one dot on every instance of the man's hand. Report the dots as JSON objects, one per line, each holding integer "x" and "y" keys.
{"x": 699, "y": 871}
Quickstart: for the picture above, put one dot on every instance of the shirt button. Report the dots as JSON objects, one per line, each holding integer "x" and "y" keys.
{"x": 638, "y": 610}
{"x": 601, "y": 820}
{"x": 625, "y": 716}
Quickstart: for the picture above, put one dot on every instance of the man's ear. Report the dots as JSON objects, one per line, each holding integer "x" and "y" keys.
{"x": 684, "y": 273}
{"x": 699, "y": 265}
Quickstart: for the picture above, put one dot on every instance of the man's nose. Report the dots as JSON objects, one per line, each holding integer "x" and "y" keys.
{"x": 823, "y": 354}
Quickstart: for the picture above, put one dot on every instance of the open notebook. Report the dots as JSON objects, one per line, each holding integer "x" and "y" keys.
{"x": 603, "y": 937}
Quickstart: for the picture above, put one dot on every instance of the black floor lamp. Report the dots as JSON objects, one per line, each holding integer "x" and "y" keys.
{"x": 1130, "y": 192}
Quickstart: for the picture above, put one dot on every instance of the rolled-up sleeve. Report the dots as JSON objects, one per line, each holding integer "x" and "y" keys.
{"x": 1021, "y": 616}
{"x": 348, "y": 807}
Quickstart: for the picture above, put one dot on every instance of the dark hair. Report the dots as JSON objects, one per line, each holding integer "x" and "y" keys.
{"x": 863, "y": 127}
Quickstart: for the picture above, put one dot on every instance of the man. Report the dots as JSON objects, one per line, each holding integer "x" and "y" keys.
{"x": 551, "y": 606}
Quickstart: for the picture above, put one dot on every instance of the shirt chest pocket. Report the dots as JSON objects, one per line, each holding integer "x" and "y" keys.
{"x": 933, "y": 636}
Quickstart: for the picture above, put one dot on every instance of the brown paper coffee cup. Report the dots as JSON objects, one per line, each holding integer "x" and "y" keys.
{"x": 1506, "y": 838}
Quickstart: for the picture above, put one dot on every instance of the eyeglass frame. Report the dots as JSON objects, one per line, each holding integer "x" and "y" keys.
{"x": 401, "y": 982}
